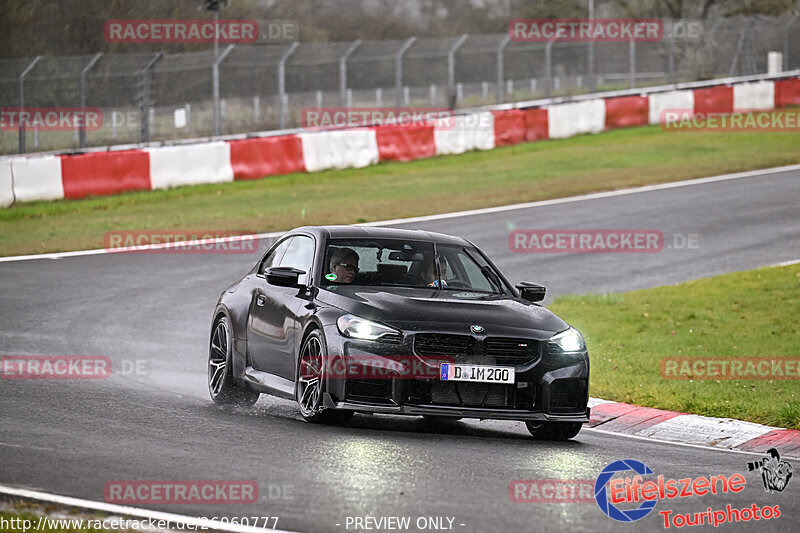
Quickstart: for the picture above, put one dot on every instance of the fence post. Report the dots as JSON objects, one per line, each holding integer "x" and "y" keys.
{"x": 215, "y": 78}
{"x": 398, "y": 70}
{"x": 548, "y": 67}
{"x": 22, "y": 101}
{"x": 632, "y": 62}
{"x": 451, "y": 70}
{"x": 786, "y": 41}
{"x": 590, "y": 59}
{"x": 282, "y": 83}
{"x": 739, "y": 45}
{"x": 343, "y": 71}
{"x": 144, "y": 104}
{"x": 82, "y": 140}
{"x": 671, "y": 55}
{"x": 501, "y": 68}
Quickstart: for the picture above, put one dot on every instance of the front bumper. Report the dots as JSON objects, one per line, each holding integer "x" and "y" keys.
{"x": 549, "y": 387}
{"x": 455, "y": 412}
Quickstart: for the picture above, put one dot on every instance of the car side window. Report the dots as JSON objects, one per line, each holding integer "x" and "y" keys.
{"x": 274, "y": 257}
{"x": 476, "y": 278}
{"x": 300, "y": 254}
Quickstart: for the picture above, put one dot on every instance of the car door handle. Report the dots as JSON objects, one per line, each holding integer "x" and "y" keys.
{"x": 261, "y": 300}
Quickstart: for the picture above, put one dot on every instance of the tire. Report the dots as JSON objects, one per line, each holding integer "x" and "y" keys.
{"x": 553, "y": 430}
{"x": 310, "y": 384}
{"x": 220, "y": 380}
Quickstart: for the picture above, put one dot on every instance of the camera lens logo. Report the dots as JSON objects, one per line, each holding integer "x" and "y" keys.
{"x": 775, "y": 473}
{"x": 601, "y": 496}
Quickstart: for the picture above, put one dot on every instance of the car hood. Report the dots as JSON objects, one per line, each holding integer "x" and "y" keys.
{"x": 419, "y": 309}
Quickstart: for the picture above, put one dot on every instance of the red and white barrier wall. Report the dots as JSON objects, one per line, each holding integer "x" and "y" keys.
{"x": 172, "y": 166}
{"x": 660, "y": 102}
{"x": 462, "y": 133}
{"x": 266, "y": 156}
{"x": 6, "y": 184}
{"x": 566, "y": 120}
{"x": 24, "y": 179}
{"x": 37, "y": 178}
{"x": 339, "y": 149}
{"x": 105, "y": 173}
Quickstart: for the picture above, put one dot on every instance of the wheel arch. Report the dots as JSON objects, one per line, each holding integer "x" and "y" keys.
{"x": 238, "y": 341}
{"x": 313, "y": 323}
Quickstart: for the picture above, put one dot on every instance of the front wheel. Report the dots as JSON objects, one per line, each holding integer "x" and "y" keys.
{"x": 220, "y": 380}
{"x": 553, "y": 430}
{"x": 310, "y": 379}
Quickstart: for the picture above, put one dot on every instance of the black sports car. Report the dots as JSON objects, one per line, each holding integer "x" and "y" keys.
{"x": 356, "y": 319}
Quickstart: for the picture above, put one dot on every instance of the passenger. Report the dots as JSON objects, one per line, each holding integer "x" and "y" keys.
{"x": 429, "y": 274}
{"x": 344, "y": 265}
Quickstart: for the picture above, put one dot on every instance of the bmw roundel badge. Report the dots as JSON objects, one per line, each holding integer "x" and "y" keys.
{"x": 475, "y": 328}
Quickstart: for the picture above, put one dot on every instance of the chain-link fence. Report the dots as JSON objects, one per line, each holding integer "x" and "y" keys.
{"x": 154, "y": 97}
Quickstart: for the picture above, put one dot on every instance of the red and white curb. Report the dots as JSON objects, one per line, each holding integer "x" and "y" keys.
{"x": 694, "y": 430}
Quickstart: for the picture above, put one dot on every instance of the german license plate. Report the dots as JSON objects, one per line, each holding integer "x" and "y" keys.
{"x": 476, "y": 373}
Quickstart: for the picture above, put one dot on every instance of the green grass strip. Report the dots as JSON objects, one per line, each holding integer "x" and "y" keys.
{"x": 521, "y": 173}
{"x": 744, "y": 314}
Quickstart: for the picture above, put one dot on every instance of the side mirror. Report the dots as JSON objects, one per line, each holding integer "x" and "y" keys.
{"x": 531, "y": 291}
{"x": 284, "y": 276}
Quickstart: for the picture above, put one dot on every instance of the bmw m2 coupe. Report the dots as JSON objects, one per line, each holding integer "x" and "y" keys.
{"x": 348, "y": 319}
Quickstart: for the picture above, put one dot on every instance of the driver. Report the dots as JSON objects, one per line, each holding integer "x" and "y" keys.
{"x": 344, "y": 265}
{"x": 429, "y": 274}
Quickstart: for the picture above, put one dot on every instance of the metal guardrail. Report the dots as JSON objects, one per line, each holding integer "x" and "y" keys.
{"x": 503, "y": 107}
{"x": 640, "y": 91}
{"x": 261, "y": 87}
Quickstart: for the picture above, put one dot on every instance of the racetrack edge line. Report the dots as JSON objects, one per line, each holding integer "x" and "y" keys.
{"x": 441, "y": 216}
{"x": 132, "y": 511}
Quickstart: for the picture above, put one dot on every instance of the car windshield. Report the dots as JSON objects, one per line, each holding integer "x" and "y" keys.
{"x": 403, "y": 263}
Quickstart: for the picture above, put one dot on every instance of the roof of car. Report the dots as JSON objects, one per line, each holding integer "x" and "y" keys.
{"x": 371, "y": 232}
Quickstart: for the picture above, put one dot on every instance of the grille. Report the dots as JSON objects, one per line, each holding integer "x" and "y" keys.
{"x": 443, "y": 344}
{"x": 471, "y": 394}
{"x": 513, "y": 351}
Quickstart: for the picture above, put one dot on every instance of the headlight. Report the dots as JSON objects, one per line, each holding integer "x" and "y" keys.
{"x": 569, "y": 340}
{"x": 361, "y": 328}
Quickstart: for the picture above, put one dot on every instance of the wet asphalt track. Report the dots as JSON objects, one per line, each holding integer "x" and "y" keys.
{"x": 71, "y": 437}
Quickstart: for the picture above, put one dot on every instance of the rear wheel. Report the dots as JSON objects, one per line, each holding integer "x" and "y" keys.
{"x": 310, "y": 380}
{"x": 220, "y": 380}
{"x": 553, "y": 430}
